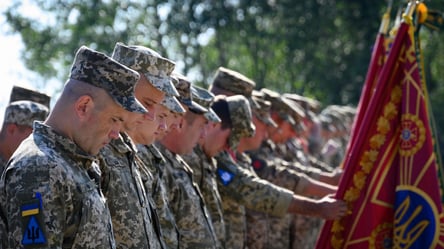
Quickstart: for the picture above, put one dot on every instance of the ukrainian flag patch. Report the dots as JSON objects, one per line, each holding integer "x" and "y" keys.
{"x": 33, "y": 233}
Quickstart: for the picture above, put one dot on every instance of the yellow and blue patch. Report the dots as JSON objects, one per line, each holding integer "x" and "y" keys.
{"x": 33, "y": 234}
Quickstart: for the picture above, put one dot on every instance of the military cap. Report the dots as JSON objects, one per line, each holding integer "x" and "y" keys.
{"x": 278, "y": 105}
{"x": 101, "y": 71}
{"x": 305, "y": 102}
{"x": 185, "y": 97}
{"x": 241, "y": 119}
{"x": 205, "y": 98}
{"x": 262, "y": 110}
{"x": 21, "y": 93}
{"x": 150, "y": 63}
{"x": 24, "y": 112}
{"x": 171, "y": 102}
{"x": 232, "y": 81}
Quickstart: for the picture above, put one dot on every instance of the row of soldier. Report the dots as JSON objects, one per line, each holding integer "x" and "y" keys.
{"x": 133, "y": 155}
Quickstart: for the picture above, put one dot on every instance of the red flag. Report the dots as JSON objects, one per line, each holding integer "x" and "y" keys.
{"x": 376, "y": 62}
{"x": 390, "y": 180}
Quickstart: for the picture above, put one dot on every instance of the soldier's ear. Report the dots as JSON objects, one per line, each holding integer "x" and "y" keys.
{"x": 84, "y": 106}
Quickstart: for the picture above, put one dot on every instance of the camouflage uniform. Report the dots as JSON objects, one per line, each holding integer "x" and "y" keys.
{"x": 50, "y": 191}
{"x": 298, "y": 231}
{"x": 25, "y": 106}
{"x": 50, "y": 174}
{"x": 134, "y": 217}
{"x": 186, "y": 202}
{"x": 240, "y": 187}
{"x": 204, "y": 173}
{"x": 153, "y": 178}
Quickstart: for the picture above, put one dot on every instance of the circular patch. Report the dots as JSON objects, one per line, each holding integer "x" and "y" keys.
{"x": 412, "y": 135}
{"x": 416, "y": 219}
{"x": 382, "y": 237}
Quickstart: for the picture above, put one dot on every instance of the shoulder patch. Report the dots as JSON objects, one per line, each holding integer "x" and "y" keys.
{"x": 258, "y": 164}
{"x": 225, "y": 176}
{"x": 31, "y": 213}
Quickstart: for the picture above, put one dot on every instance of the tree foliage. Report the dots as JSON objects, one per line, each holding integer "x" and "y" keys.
{"x": 318, "y": 48}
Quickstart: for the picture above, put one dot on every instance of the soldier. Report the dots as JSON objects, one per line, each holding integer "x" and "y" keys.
{"x": 231, "y": 82}
{"x": 204, "y": 166}
{"x": 50, "y": 190}
{"x": 152, "y": 93}
{"x": 191, "y": 215}
{"x": 132, "y": 209}
{"x": 25, "y": 106}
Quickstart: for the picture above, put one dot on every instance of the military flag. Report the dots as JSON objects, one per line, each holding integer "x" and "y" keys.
{"x": 390, "y": 182}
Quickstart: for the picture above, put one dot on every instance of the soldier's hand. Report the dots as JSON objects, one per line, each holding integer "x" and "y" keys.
{"x": 331, "y": 208}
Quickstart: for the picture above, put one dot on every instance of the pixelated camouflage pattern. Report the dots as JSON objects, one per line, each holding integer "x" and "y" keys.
{"x": 305, "y": 102}
{"x": 204, "y": 175}
{"x": 101, "y": 71}
{"x": 262, "y": 109}
{"x": 281, "y": 106}
{"x": 74, "y": 212}
{"x": 173, "y": 104}
{"x": 187, "y": 203}
{"x": 3, "y": 163}
{"x": 150, "y": 63}
{"x": 233, "y": 81}
{"x": 3, "y": 233}
{"x": 132, "y": 209}
{"x": 25, "y": 112}
{"x": 241, "y": 119}
{"x": 303, "y": 230}
{"x": 153, "y": 178}
{"x": 205, "y": 98}
{"x": 247, "y": 190}
{"x": 183, "y": 86}
{"x": 21, "y": 93}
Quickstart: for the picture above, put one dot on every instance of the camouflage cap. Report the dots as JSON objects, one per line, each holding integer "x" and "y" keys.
{"x": 150, "y": 63}
{"x": 241, "y": 119}
{"x": 205, "y": 98}
{"x": 21, "y": 93}
{"x": 173, "y": 104}
{"x": 24, "y": 112}
{"x": 262, "y": 110}
{"x": 305, "y": 102}
{"x": 101, "y": 71}
{"x": 232, "y": 81}
{"x": 278, "y": 106}
{"x": 185, "y": 97}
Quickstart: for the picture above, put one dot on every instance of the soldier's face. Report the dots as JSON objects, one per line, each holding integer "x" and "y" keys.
{"x": 192, "y": 132}
{"x": 171, "y": 122}
{"x": 100, "y": 126}
{"x": 252, "y": 143}
{"x": 216, "y": 139}
{"x": 18, "y": 133}
{"x": 143, "y": 131}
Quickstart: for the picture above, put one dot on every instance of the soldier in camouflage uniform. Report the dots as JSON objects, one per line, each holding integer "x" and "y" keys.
{"x": 25, "y": 106}
{"x": 132, "y": 208}
{"x": 204, "y": 165}
{"x": 184, "y": 196}
{"x": 50, "y": 191}
{"x": 301, "y": 230}
{"x": 151, "y": 92}
{"x": 229, "y": 82}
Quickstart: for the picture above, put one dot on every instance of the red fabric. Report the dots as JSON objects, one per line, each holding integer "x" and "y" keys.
{"x": 390, "y": 180}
